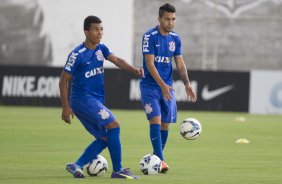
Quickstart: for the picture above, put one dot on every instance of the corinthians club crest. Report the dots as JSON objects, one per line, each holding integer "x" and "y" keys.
{"x": 172, "y": 46}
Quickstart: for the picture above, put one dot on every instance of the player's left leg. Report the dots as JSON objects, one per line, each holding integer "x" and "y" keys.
{"x": 164, "y": 133}
{"x": 169, "y": 115}
{"x": 114, "y": 146}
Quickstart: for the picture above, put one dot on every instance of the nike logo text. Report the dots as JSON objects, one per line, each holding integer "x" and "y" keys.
{"x": 209, "y": 95}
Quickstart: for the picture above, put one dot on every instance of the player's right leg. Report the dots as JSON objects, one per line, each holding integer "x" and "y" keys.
{"x": 155, "y": 136}
{"x": 90, "y": 153}
{"x": 84, "y": 112}
{"x": 75, "y": 170}
{"x": 150, "y": 100}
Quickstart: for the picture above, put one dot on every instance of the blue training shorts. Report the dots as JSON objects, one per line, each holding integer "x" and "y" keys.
{"x": 155, "y": 105}
{"x": 92, "y": 113}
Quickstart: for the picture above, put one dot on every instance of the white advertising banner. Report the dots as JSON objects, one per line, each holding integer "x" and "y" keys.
{"x": 265, "y": 92}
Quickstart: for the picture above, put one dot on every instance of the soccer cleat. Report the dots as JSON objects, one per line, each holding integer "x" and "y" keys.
{"x": 124, "y": 174}
{"x": 75, "y": 170}
{"x": 165, "y": 167}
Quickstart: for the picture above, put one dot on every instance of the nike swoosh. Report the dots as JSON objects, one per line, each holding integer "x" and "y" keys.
{"x": 127, "y": 176}
{"x": 154, "y": 138}
{"x": 208, "y": 95}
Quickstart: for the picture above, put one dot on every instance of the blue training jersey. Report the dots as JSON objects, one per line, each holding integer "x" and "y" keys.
{"x": 87, "y": 69}
{"x": 164, "y": 48}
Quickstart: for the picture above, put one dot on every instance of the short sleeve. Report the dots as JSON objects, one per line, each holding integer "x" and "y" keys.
{"x": 148, "y": 44}
{"x": 106, "y": 51}
{"x": 178, "y": 49}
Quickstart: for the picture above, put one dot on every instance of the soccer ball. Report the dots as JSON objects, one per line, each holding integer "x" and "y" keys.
{"x": 97, "y": 167}
{"x": 190, "y": 128}
{"x": 150, "y": 164}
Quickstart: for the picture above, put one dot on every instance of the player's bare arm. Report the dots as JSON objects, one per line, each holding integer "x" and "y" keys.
{"x": 121, "y": 63}
{"x": 155, "y": 74}
{"x": 182, "y": 71}
{"x": 63, "y": 85}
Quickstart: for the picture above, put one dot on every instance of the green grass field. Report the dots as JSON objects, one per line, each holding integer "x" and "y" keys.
{"x": 35, "y": 145}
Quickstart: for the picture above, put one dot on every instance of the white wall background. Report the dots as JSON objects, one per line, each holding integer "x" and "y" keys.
{"x": 63, "y": 22}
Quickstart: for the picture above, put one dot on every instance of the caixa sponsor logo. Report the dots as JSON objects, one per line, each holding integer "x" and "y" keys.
{"x": 30, "y": 86}
{"x": 276, "y": 95}
{"x": 162, "y": 59}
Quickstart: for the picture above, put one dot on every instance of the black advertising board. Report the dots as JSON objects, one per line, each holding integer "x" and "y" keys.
{"x": 29, "y": 86}
{"x": 216, "y": 91}
{"x": 38, "y": 86}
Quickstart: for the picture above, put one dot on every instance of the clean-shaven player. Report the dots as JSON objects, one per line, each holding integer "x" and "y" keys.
{"x": 159, "y": 46}
{"x": 84, "y": 67}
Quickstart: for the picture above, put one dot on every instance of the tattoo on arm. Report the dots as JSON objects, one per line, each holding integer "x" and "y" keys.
{"x": 183, "y": 75}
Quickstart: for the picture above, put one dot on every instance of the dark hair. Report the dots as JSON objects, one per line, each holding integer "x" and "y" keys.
{"x": 166, "y": 8}
{"x": 89, "y": 20}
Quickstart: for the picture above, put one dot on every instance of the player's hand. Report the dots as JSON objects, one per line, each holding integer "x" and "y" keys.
{"x": 66, "y": 114}
{"x": 166, "y": 91}
{"x": 191, "y": 93}
{"x": 139, "y": 72}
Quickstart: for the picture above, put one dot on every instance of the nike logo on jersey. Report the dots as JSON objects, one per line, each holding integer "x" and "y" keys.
{"x": 211, "y": 94}
{"x": 158, "y": 45}
{"x": 88, "y": 62}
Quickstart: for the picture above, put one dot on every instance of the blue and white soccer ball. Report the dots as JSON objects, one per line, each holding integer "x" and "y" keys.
{"x": 97, "y": 167}
{"x": 150, "y": 164}
{"x": 190, "y": 128}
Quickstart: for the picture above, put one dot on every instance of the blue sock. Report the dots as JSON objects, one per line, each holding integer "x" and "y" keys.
{"x": 155, "y": 135}
{"x": 91, "y": 152}
{"x": 164, "y": 135}
{"x": 114, "y": 147}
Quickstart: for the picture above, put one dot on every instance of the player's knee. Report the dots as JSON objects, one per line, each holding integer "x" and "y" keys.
{"x": 103, "y": 139}
{"x": 155, "y": 120}
{"x": 113, "y": 124}
{"x": 165, "y": 126}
